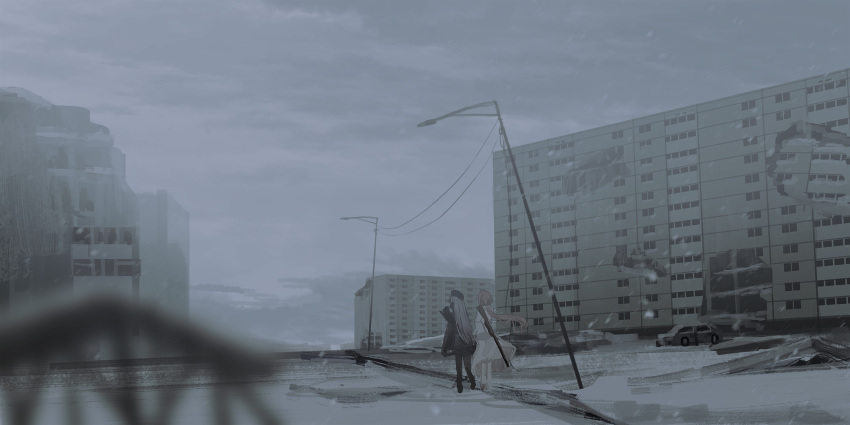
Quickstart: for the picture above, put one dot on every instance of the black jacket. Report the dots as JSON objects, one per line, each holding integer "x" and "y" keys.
{"x": 452, "y": 342}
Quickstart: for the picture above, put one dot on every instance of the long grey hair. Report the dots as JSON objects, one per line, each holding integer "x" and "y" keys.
{"x": 458, "y": 307}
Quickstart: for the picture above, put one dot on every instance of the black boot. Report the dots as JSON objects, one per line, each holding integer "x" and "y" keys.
{"x": 471, "y": 382}
{"x": 459, "y": 385}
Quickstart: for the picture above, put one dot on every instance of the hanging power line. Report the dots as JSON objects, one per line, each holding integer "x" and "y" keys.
{"x": 456, "y": 200}
{"x": 452, "y": 185}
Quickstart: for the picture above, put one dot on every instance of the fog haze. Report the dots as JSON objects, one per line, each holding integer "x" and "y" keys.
{"x": 269, "y": 120}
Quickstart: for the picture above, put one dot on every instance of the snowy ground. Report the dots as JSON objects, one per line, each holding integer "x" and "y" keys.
{"x": 634, "y": 383}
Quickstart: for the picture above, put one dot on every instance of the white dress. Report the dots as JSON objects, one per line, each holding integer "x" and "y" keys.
{"x": 487, "y": 358}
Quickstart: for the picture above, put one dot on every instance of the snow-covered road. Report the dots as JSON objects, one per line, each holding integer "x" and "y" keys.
{"x": 634, "y": 382}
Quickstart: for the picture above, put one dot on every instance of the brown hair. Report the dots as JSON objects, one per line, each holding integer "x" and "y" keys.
{"x": 485, "y": 298}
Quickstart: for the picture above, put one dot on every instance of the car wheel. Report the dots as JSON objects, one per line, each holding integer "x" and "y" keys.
{"x": 685, "y": 341}
{"x": 715, "y": 338}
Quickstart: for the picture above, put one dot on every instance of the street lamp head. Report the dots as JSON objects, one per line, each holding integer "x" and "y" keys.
{"x": 427, "y": 122}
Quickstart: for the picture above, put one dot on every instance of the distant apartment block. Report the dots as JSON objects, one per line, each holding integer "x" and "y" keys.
{"x": 733, "y": 211}
{"x": 81, "y": 157}
{"x": 408, "y": 307}
{"x": 164, "y": 251}
{"x": 35, "y": 214}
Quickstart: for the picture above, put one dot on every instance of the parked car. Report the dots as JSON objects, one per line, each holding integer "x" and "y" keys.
{"x": 685, "y": 335}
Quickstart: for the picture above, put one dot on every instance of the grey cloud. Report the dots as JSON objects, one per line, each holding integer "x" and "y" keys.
{"x": 108, "y": 108}
{"x": 430, "y": 263}
{"x": 329, "y": 314}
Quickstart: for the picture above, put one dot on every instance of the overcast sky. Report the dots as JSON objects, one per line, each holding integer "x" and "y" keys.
{"x": 269, "y": 120}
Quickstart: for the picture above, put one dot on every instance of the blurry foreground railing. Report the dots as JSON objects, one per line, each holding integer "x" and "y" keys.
{"x": 50, "y": 350}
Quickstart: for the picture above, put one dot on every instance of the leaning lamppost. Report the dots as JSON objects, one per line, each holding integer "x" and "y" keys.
{"x": 560, "y": 318}
{"x": 371, "y": 291}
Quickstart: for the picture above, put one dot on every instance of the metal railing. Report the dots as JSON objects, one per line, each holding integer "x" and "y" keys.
{"x": 53, "y": 350}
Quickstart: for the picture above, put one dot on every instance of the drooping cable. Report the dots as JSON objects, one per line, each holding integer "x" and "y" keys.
{"x": 450, "y": 187}
{"x": 455, "y": 201}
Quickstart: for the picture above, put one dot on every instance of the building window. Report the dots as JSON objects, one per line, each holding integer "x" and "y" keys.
{"x": 648, "y": 229}
{"x": 792, "y": 286}
{"x": 537, "y": 307}
{"x": 790, "y": 248}
{"x": 683, "y": 189}
{"x": 748, "y": 122}
{"x": 791, "y": 267}
{"x": 533, "y": 167}
{"x": 782, "y": 97}
{"x": 625, "y": 315}
{"x": 827, "y": 105}
{"x": 537, "y": 321}
{"x": 534, "y": 183}
{"x": 748, "y": 141}
{"x": 685, "y": 239}
{"x": 512, "y": 278}
{"x": 646, "y": 161}
{"x": 534, "y": 198}
{"x": 681, "y": 170}
{"x": 790, "y": 227}
{"x": 617, "y": 135}
{"x": 753, "y": 214}
{"x": 685, "y": 259}
{"x": 682, "y": 154}
{"x": 645, "y": 143}
{"x": 649, "y": 245}
{"x": 651, "y": 298}
{"x": 645, "y": 128}
{"x": 533, "y": 154}
{"x": 646, "y": 177}
{"x": 793, "y": 305}
{"x": 620, "y": 216}
{"x": 792, "y": 209}
{"x": 622, "y": 283}
{"x": 783, "y": 115}
{"x": 685, "y": 223}
{"x": 753, "y": 157}
{"x": 515, "y": 309}
{"x": 514, "y": 292}
{"x": 826, "y": 86}
{"x": 751, "y": 178}
{"x": 619, "y": 200}
{"x": 622, "y": 300}
{"x": 647, "y": 212}
{"x": 619, "y": 182}
{"x": 753, "y": 232}
{"x": 752, "y": 196}
{"x": 750, "y": 104}
{"x": 621, "y": 233}
{"x": 682, "y": 206}
{"x": 680, "y": 119}
{"x": 646, "y": 196}
{"x": 537, "y": 291}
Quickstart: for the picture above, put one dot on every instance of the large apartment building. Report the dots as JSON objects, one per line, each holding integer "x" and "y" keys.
{"x": 734, "y": 211}
{"x": 406, "y": 307}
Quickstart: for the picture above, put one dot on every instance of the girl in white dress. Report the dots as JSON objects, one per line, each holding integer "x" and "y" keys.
{"x": 486, "y": 360}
